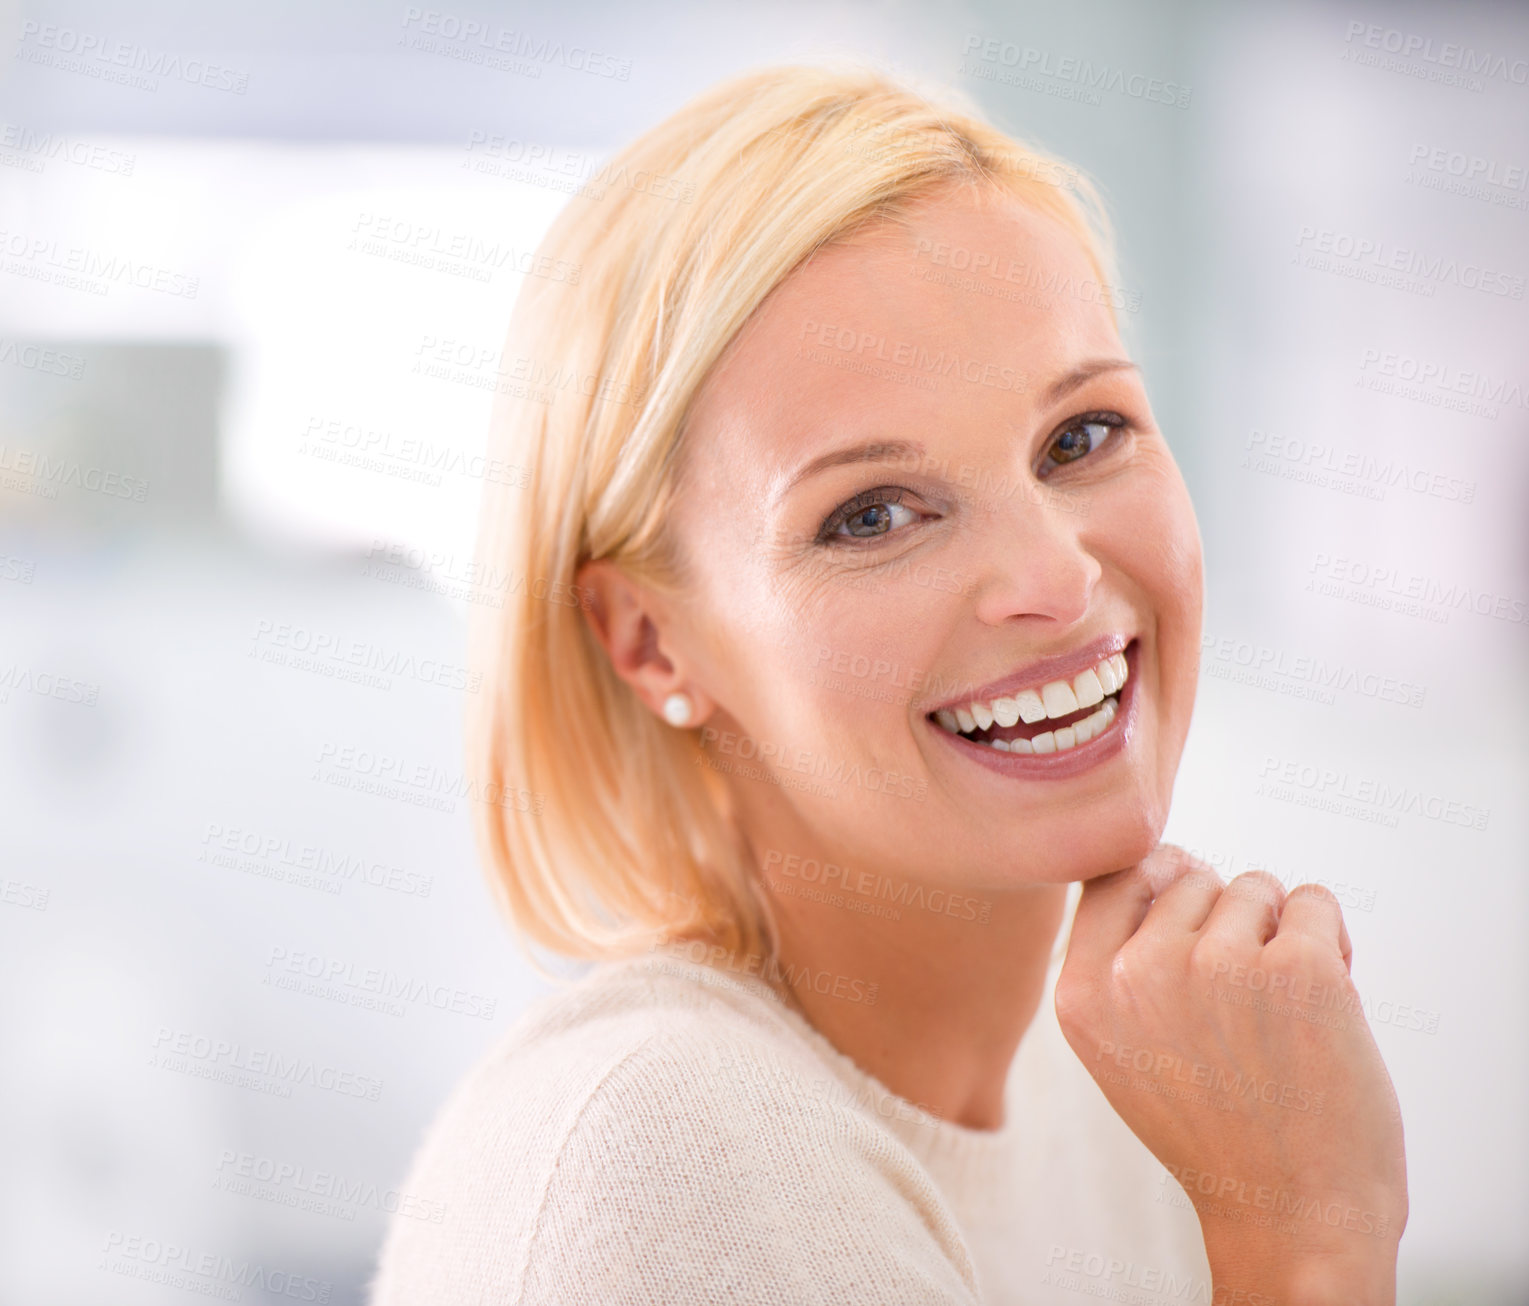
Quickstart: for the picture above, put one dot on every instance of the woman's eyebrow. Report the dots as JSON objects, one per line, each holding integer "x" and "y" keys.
{"x": 872, "y": 451}
{"x": 1065, "y": 385}
{"x": 899, "y": 450}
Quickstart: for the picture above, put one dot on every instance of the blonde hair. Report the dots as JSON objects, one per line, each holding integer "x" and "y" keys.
{"x": 600, "y": 828}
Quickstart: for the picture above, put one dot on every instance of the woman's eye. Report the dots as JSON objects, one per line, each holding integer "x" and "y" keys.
{"x": 868, "y": 515}
{"x": 1080, "y": 438}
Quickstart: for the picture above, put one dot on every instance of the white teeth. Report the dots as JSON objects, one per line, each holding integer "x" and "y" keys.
{"x": 1088, "y": 688}
{"x": 1055, "y": 741}
{"x": 1059, "y": 699}
{"x": 1056, "y": 698}
{"x": 1031, "y": 709}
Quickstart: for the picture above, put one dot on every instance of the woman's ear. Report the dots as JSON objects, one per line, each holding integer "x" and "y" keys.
{"x": 632, "y": 623}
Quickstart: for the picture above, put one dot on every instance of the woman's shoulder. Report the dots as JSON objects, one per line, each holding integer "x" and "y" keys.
{"x": 661, "y": 1027}
{"x": 635, "y": 1042}
{"x": 663, "y": 1131}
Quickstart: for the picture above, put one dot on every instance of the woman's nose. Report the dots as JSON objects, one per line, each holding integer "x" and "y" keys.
{"x": 1030, "y": 559}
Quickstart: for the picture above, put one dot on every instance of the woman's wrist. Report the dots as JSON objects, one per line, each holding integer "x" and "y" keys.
{"x": 1282, "y": 1276}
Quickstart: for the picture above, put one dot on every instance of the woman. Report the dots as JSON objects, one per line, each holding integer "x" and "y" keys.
{"x": 852, "y": 613}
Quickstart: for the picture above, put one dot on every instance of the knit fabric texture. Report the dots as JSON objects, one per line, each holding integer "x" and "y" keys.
{"x": 665, "y": 1131}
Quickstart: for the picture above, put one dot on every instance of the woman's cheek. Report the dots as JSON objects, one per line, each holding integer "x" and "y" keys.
{"x": 1179, "y": 601}
{"x": 1166, "y": 517}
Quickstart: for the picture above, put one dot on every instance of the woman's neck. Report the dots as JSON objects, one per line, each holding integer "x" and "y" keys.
{"x": 932, "y": 1003}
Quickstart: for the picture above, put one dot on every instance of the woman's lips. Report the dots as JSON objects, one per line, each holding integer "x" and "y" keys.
{"x": 1059, "y": 672}
{"x": 1112, "y": 723}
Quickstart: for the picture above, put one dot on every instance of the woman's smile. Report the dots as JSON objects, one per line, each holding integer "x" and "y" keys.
{"x": 1047, "y": 721}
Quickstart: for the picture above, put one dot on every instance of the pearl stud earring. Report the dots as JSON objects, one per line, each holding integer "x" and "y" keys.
{"x": 677, "y": 709}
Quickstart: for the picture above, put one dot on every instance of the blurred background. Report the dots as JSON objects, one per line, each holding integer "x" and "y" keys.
{"x": 256, "y": 264}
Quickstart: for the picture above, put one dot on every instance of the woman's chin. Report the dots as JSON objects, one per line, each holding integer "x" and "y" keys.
{"x": 1124, "y": 841}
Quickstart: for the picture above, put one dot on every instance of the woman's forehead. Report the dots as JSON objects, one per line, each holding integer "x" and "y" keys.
{"x": 914, "y": 313}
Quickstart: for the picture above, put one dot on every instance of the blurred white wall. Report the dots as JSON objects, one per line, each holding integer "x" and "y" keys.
{"x": 258, "y": 408}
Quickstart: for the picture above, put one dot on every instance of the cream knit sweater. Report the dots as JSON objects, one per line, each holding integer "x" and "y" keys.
{"x": 669, "y": 1132}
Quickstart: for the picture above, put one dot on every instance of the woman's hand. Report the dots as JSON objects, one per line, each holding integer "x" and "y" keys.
{"x": 1221, "y": 1023}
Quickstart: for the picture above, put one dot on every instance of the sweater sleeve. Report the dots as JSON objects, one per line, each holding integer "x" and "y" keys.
{"x": 691, "y": 1166}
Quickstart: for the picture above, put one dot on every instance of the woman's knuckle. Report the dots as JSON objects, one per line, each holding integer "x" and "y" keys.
{"x": 1210, "y": 959}
{"x": 1259, "y": 885}
{"x": 1179, "y": 858}
{"x": 1203, "y": 877}
{"x": 1074, "y": 1002}
{"x": 1135, "y": 970}
{"x": 1167, "y": 864}
{"x": 1300, "y": 954}
{"x": 1318, "y": 891}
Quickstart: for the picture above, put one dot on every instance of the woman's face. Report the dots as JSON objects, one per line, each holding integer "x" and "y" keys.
{"x": 925, "y": 474}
